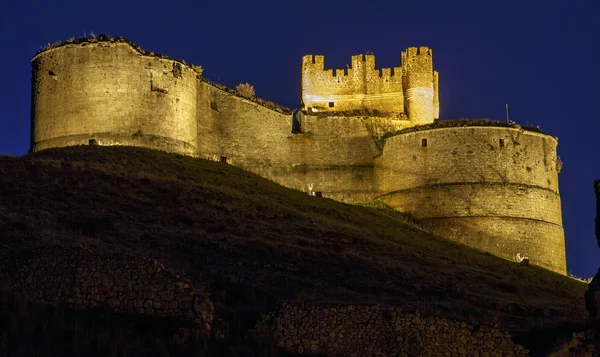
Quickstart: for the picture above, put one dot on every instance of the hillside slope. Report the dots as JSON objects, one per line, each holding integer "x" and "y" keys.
{"x": 254, "y": 245}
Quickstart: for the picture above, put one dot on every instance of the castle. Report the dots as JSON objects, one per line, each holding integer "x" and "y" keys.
{"x": 363, "y": 134}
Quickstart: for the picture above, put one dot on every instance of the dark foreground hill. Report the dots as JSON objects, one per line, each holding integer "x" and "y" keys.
{"x": 128, "y": 251}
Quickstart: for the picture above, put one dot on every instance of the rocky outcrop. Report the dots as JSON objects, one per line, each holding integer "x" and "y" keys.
{"x": 582, "y": 343}
{"x": 81, "y": 279}
{"x": 373, "y": 330}
{"x": 592, "y": 298}
{"x": 592, "y": 295}
{"x": 587, "y": 342}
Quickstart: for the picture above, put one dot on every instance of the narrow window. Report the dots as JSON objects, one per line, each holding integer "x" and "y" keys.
{"x": 224, "y": 159}
{"x": 296, "y": 127}
{"x": 331, "y": 104}
{"x": 501, "y": 142}
{"x": 424, "y": 142}
{"x": 213, "y": 106}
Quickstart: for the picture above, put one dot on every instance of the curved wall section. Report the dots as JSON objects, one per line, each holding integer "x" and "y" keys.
{"x": 492, "y": 188}
{"x": 110, "y": 94}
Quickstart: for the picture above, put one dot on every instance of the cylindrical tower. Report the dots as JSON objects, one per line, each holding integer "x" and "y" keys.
{"x": 419, "y": 85}
{"x": 493, "y": 188}
{"x": 109, "y": 93}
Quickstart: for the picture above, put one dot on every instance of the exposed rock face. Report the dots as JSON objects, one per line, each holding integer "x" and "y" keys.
{"x": 82, "y": 279}
{"x": 582, "y": 343}
{"x": 592, "y": 298}
{"x": 587, "y": 342}
{"x": 592, "y": 295}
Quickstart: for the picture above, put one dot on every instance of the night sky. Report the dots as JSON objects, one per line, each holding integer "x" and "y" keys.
{"x": 540, "y": 57}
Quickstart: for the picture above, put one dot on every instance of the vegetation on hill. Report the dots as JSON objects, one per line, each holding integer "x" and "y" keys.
{"x": 254, "y": 245}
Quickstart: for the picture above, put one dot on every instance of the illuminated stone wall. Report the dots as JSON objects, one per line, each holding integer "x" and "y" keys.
{"x": 410, "y": 90}
{"x": 488, "y": 187}
{"x": 332, "y": 155}
{"x": 244, "y": 131}
{"x": 111, "y": 93}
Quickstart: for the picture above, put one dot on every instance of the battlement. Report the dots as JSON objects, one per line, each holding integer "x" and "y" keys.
{"x": 361, "y": 86}
{"x": 414, "y": 52}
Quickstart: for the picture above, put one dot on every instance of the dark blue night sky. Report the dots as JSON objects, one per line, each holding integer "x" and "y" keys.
{"x": 540, "y": 57}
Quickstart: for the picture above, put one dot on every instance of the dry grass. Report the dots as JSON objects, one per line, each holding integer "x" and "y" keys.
{"x": 255, "y": 244}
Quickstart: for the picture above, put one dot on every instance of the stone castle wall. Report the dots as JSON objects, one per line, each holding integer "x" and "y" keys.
{"x": 111, "y": 93}
{"x": 246, "y": 132}
{"x": 333, "y": 155}
{"x": 488, "y": 187}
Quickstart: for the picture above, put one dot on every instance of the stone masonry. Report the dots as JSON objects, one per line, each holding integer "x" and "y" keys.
{"x": 82, "y": 279}
{"x": 374, "y": 330}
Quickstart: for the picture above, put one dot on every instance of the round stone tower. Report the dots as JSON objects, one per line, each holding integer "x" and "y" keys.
{"x": 110, "y": 93}
{"x": 420, "y": 85}
{"x": 489, "y": 187}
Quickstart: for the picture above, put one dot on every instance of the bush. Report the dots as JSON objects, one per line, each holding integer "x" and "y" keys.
{"x": 559, "y": 164}
{"x": 198, "y": 69}
{"x": 245, "y": 90}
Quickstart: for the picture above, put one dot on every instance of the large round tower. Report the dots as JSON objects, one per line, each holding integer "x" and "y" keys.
{"x": 108, "y": 92}
{"x": 493, "y": 188}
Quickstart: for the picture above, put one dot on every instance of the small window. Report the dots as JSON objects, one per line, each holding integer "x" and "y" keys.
{"x": 213, "y": 106}
{"x": 318, "y": 193}
{"x": 501, "y": 142}
{"x": 424, "y": 142}
{"x": 331, "y": 104}
{"x": 93, "y": 142}
{"x": 224, "y": 159}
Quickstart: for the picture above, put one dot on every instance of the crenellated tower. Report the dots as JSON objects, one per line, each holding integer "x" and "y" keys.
{"x": 359, "y": 86}
{"x": 406, "y": 91}
{"x": 420, "y": 82}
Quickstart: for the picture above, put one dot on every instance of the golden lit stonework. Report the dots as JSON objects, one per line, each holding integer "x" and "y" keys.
{"x": 409, "y": 91}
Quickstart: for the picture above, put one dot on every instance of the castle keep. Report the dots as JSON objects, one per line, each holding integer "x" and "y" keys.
{"x": 409, "y": 91}
{"x": 363, "y": 134}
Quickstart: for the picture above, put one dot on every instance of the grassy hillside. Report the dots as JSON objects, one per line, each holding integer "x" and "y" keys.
{"x": 255, "y": 244}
